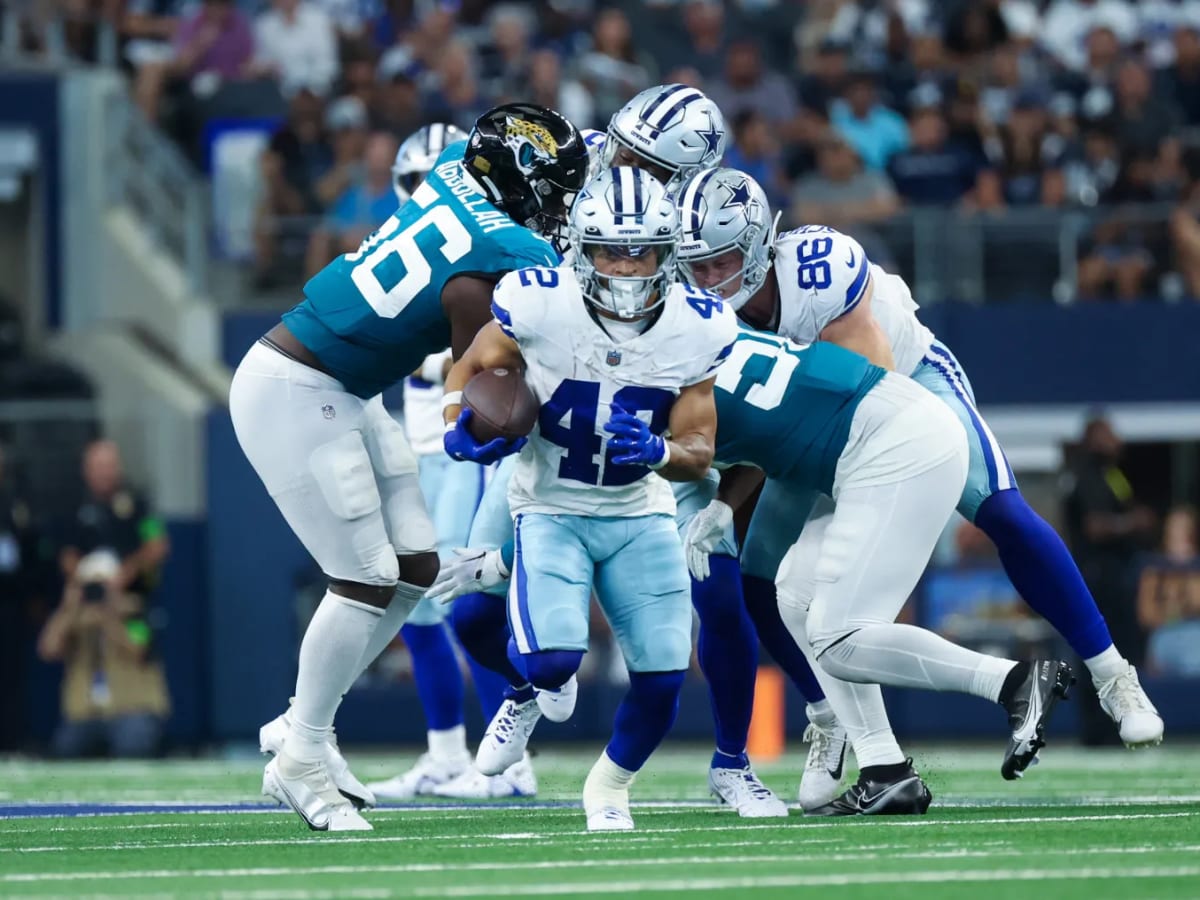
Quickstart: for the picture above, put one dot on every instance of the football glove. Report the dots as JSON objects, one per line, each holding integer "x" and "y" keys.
{"x": 469, "y": 572}
{"x": 633, "y": 443}
{"x": 704, "y": 532}
{"x": 463, "y": 447}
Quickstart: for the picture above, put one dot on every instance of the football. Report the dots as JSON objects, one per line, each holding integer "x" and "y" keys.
{"x": 502, "y": 403}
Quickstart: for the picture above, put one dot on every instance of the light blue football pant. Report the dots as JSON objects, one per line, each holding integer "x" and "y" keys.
{"x": 636, "y": 566}
{"x": 782, "y": 510}
{"x": 452, "y": 492}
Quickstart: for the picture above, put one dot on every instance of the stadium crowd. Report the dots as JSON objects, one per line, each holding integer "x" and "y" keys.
{"x": 856, "y": 113}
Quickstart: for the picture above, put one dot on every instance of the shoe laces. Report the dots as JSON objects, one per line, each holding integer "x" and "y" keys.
{"x": 1124, "y": 692}
{"x": 822, "y": 743}
{"x": 754, "y": 786}
{"x": 506, "y": 724}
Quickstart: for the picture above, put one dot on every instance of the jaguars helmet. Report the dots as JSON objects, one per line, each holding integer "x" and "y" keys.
{"x": 627, "y": 212}
{"x": 673, "y": 126}
{"x": 530, "y": 162}
{"x": 417, "y": 155}
{"x": 722, "y": 210}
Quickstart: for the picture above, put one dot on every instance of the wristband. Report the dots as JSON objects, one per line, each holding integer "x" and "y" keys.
{"x": 666, "y": 458}
{"x": 453, "y": 398}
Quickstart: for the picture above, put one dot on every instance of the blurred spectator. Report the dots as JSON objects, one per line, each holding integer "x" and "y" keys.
{"x": 146, "y": 28}
{"x": 1120, "y": 255}
{"x": 454, "y": 94}
{"x": 215, "y": 41}
{"x": 755, "y": 151}
{"x": 1106, "y": 528}
{"x": 843, "y": 195}
{"x": 975, "y": 29}
{"x": 746, "y": 86}
{"x": 545, "y": 84}
{"x": 299, "y": 155}
{"x": 870, "y": 27}
{"x": 296, "y": 43}
{"x": 1185, "y": 234}
{"x": 1024, "y": 163}
{"x": 504, "y": 59}
{"x": 1091, "y": 174}
{"x": 875, "y": 132}
{"x": 114, "y": 694}
{"x": 925, "y": 67}
{"x": 397, "y": 97}
{"x": 1179, "y": 82}
{"x": 1145, "y": 123}
{"x": 1093, "y": 85}
{"x": 702, "y": 47}
{"x": 366, "y": 204}
{"x": 934, "y": 171}
{"x": 1168, "y": 599}
{"x": 613, "y": 71}
{"x": 825, "y": 80}
{"x": 1067, "y": 23}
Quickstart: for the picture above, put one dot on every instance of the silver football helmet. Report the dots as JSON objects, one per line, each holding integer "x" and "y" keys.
{"x": 624, "y": 212}
{"x": 673, "y": 126}
{"x": 417, "y": 155}
{"x": 721, "y": 210}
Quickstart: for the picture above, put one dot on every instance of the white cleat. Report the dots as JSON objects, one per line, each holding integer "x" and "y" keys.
{"x": 271, "y": 738}
{"x": 507, "y": 735}
{"x": 557, "y": 706}
{"x": 423, "y": 779}
{"x": 825, "y": 766}
{"x": 1126, "y": 703}
{"x": 742, "y": 790}
{"x": 605, "y": 803}
{"x": 311, "y": 794}
{"x": 518, "y": 780}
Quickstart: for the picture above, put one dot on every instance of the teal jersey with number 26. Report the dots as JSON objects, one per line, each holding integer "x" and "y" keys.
{"x": 787, "y": 409}
{"x": 372, "y": 316}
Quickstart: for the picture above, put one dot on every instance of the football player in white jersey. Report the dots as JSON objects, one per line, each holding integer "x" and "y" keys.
{"x": 619, "y": 355}
{"x": 817, "y": 284}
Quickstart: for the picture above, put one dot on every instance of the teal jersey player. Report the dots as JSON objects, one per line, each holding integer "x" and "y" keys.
{"x": 787, "y": 409}
{"x": 371, "y": 317}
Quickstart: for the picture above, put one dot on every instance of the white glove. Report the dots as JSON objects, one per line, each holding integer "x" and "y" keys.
{"x": 471, "y": 572}
{"x": 703, "y": 534}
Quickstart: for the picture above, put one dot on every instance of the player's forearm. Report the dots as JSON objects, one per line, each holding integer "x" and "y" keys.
{"x": 737, "y": 484}
{"x": 688, "y": 458}
{"x": 456, "y": 379}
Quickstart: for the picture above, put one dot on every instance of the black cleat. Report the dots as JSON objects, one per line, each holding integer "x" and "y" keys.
{"x": 1029, "y": 709}
{"x": 906, "y": 795}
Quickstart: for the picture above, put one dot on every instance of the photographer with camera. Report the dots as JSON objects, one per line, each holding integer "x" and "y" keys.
{"x": 114, "y": 695}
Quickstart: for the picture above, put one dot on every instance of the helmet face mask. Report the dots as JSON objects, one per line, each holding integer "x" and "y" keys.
{"x": 531, "y": 163}
{"x": 624, "y": 232}
{"x": 418, "y": 154}
{"x": 674, "y": 128}
{"x": 725, "y": 212}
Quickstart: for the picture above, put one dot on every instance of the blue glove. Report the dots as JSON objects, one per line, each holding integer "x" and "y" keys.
{"x": 633, "y": 444}
{"x": 461, "y": 446}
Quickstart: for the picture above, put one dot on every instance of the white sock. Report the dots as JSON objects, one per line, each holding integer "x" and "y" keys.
{"x": 329, "y": 654}
{"x": 1106, "y": 665}
{"x": 907, "y": 656}
{"x": 607, "y": 784}
{"x": 449, "y": 743}
{"x": 404, "y": 601}
{"x": 877, "y": 748}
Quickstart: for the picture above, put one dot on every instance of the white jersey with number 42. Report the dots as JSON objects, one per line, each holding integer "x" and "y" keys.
{"x": 579, "y": 373}
{"x": 823, "y": 274}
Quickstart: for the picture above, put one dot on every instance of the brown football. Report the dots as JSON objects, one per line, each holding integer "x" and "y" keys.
{"x": 502, "y": 403}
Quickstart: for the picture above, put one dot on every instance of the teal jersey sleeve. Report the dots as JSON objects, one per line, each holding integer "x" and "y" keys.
{"x": 787, "y": 409}
{"x": 372, "y": 316}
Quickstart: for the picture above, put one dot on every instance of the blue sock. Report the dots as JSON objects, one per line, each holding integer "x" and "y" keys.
{"x": 644, "y": 717}
{"x": 435, "y": 670}
{"x": 1041, "y": 569}
{"x": 764, "y": 611}
{"x": 489, "y": 688}
{"x": 481, "y": 625}
{"x": 728, "y": 652}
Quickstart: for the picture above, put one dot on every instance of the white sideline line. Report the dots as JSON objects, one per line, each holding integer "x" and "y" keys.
{"x": 794, "y": 822}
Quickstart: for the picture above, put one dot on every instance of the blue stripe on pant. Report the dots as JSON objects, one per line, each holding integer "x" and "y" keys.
{"x": 989, "y": 471}
{"x": 519, "y": 621}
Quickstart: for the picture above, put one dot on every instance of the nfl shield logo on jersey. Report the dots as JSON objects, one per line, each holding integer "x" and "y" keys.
{"x": 613, "y": 358}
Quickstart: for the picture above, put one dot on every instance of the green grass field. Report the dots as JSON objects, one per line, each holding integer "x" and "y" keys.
{"x": 1083, "y": 824}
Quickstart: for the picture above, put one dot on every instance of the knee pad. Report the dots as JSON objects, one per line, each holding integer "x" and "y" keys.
{"x": 478, "y": 617}
{"x": 551, "y": 669}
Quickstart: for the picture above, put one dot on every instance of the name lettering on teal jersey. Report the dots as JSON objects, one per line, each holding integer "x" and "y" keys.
{"x": 372, "y": 316}
{"x": 787, "y": 409}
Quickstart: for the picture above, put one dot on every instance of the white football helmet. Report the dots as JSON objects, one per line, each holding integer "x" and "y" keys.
{"x": 722, "y": 210}
{"x": 626, "y": 212}
{"x": 417, "y": 155}
{"x": 594, "y": 141}
{"x": 672, "y": 126}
